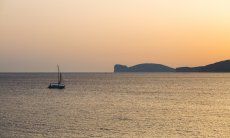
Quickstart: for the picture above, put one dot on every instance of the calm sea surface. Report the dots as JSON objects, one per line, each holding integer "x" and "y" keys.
{"x": 116, "y": 105}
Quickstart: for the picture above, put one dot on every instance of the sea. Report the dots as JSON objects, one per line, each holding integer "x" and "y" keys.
{"x": 115, "y": 105}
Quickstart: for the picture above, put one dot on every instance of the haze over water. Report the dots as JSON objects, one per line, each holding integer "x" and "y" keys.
{"x": 116, "y": 105}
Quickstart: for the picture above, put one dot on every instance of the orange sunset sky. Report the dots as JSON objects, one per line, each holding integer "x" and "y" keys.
{"x": 93, "y": 35}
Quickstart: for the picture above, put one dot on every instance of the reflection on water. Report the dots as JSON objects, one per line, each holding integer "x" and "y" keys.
{"x": 116, "y": 105}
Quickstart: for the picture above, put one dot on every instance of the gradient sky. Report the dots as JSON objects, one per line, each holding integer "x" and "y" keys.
{"x": 93, "y": 35}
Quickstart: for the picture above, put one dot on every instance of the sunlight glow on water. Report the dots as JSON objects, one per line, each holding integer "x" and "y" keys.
{"x": 116, "y": 105}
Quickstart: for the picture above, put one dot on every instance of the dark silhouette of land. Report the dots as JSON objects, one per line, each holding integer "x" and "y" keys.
{"x": 222, "y": 66}
{"x": 143, "y": 68}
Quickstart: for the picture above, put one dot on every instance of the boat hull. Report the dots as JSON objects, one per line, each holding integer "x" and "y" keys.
{"x": 56, "y": 86}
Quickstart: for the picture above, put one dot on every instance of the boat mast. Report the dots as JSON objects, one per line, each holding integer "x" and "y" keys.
{"x": 60, "y": 77}
{"x": 58, "y": 74}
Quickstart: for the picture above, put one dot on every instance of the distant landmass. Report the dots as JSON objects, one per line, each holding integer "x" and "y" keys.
{"x": 143, "y": 68}
{"x": 222, "y": 66}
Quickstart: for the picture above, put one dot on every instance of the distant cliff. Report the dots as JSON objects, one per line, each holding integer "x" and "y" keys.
{"x": 222, "y": 66}
{"x": 143, "y": 68}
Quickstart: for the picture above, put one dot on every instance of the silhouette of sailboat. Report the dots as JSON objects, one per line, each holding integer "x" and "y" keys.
{"x": 59, "y": 84}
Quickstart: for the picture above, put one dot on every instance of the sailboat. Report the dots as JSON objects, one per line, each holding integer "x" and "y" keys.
{"x": 59, "y": 84}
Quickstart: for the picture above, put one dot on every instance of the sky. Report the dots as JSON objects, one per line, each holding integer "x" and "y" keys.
{"x": 93, "y": 35}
